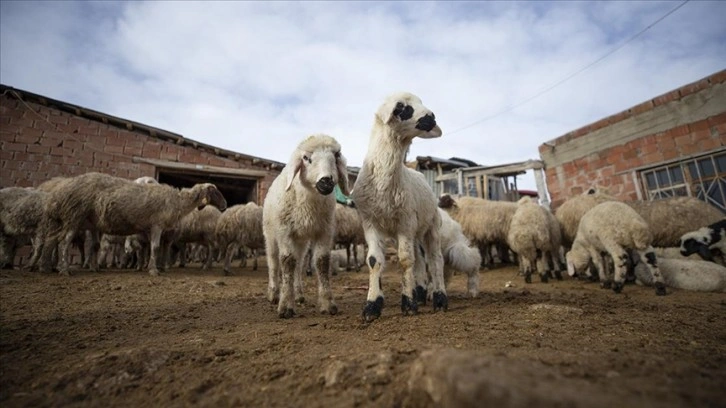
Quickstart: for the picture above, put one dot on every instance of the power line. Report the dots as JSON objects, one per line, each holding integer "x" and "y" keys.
{"x": 567, "y": 78}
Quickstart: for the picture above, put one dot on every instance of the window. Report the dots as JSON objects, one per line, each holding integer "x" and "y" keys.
{"x": 701, "y": 177}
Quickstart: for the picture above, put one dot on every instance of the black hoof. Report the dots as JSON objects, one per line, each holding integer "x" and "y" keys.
{"x": 660, "y": 289}
{"x": 408, "y": 305}
{"x": 372, "y": 310}
{"x": 618, "y": 287}
{"x": 606, "y": 285}
{"x": 300, "y": 300}
{"x": 440, "y": 301}
{"x": 333, "y": 310}
{"x": 558, "y": 275}
{"x": 544, "y": 278}
{"x": 527, "y": 278}
{"x": 287, "y": 313}
{"x": 226, "y": 273}
{"x": 420, "y": 295}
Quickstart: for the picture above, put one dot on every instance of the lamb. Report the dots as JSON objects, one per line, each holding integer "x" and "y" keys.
{"x": 339, "y": 258}
{"x": 396, "y": 202}
{"x": 240, "y": 226}
{"x": 198, "y": 227}
{"x": 458, "y": 255}
{"x": 706, "y": 241}
{"x": 484, "y": 222}
{"x": 671, "y": 218}
{"x": 21, "y": 214}
{"x": 529, "y": 236}
{"x": 686, "y": 274}
{"x": 348, "y": 232}
{"x": 117, "y": 206}
{"x": 298, "y": 212}
{"x": 613, "y": 228}
{"x": 571, "y": 211}
{"x": 112, "y": 245}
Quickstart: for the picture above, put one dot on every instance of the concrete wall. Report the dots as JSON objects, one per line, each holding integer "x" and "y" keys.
{"x": 685, "y": 122}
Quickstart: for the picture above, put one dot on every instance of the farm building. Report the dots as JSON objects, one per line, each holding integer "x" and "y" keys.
{"x": 671, "y": 145}
{"x": 464, "y": 177}
{"x": 41, "y": 138}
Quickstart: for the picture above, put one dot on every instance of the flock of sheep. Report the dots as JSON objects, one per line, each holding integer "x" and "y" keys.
{"x": 592, "y": 235}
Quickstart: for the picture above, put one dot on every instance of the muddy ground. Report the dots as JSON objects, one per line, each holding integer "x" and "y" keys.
{"x": 192, "y": 337}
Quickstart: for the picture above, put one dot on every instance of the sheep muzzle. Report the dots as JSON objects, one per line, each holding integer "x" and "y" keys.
{"x": 325, "y": 185}
{"x": 426, "y": 123}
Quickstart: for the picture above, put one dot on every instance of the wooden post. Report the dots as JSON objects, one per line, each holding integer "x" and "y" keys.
{"x": 541, "y": 188}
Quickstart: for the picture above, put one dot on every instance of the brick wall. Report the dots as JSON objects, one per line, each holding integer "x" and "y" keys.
{"x": 39, "y": 142}
{"x": 685, "y": 122}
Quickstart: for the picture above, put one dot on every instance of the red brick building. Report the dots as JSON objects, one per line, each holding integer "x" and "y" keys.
{"x": 41, "y": 138}
{"x": 674, "y": 144}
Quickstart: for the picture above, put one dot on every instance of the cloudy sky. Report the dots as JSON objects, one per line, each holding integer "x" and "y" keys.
{"x": 257, "y": 77}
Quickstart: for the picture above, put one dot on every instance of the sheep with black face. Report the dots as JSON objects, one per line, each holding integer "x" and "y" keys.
{"x": 299, "y": 211}
{"x": 706, "y": 242}
{"x": 395, "y": 202}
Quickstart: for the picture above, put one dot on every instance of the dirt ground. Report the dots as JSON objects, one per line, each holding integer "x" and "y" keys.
{"x": 192, "y": 337}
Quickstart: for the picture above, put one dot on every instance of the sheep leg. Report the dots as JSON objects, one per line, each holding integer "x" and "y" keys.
{"x": 541, "y": 265}
{"x": 407, "y": 259}
{"x": 376, "y": 262}
{"x": 154, "y": 238}
{"x": 347, "y": 257}
{"x": 63, "y": 248}
{"x": 420, "y": 292}
{"x": 228, "y": 258}
{"x": 321, "y": 258}
{"x": 620, "y": 260}
{"x": 254, "y": 261}
{"x": 289, "y": 256}
{"x": 299, "y": 282}
{"x": 90, "y": 246}
{"x": 273, "y": 271}
{"x": 649, "y": 255}
{"x": 432, "y": 245}
{"x": 210, "y": 257}
{"x": 525, "y": 268}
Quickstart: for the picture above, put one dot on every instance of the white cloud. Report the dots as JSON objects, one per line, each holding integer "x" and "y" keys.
{"x": 257, "y": 77}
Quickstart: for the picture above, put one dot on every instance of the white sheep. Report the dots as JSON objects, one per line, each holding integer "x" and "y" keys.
{"x": 686, "y": 274}
{"x": 571, "y": 211}
{"x": 21, "y": 215}
{"x": 529, "y": 236}
{"x": 117, "y": 206}
{"x": 348, "y": 232}
{"x": 458, "y": 254}
{"x": 670, "y": 218}
{"x": 298, "y": 212}
{"x": 484, "y": 222}
{"x": 396, "y": 202}
{"x": 240, "y": 226}
{"x": 613, "y": 228}
{"x": 706, "y": 242}
{"x": 198, "y": 227}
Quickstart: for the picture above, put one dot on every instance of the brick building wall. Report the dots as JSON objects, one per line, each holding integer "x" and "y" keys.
{"x": 41, "y": 138}
{"x": 682, "y": 123}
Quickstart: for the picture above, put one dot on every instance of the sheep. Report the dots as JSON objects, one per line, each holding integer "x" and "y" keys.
{"x": 112, "y": 245}
{"x": 117, "y": 206}
{"x": 571, "y": 211}
{"x": 484, "y": 222}
{"x": 240, "y": 226}
{"x": 613, "y": 228}
{"x": 348, "y": 232}
{"x": 529, "y": 237}
{"x": 458, "y": 255}
{"x": 146, "y": 180}
{"x": 339, "y": 258}
{"x": 671, "y": 218}
{"x": 696, "y": 275}
{"x": 705, "y": 241}
{"x": 21, "y": 214}
{"x": 396, "y": 202}
{"x": 298, "y": 212}
{"x": 198, "y": 227}
{"x": 556, "y": 258}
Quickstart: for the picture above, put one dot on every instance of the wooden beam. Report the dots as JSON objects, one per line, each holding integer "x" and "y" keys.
{"x": 201, "y": 168}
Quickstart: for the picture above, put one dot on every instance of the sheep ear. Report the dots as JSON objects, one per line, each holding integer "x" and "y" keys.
{"x": 570, "y": 268}
{"x": 342, "y": 166}
{"x": 295, "y": 170}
